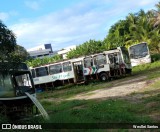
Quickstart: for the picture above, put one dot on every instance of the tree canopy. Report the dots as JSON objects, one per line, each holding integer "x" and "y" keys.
{"x": 87, "y": 48}
{"x": 9, "y": 50}
{"x": 135, "y": 28}
{"x": 7, "y": 42}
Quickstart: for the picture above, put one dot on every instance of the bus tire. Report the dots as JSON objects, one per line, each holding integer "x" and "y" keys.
{"x": 103, "y": 77}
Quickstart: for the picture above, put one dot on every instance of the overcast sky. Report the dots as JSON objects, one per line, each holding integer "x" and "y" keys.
{"x": 65, "y": 22}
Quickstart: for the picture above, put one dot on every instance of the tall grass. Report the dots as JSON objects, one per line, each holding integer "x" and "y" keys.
{"x": 97, "y": 111}
{"x": 91, "y": 111}
{"x": 155, "y": 57}
{"x": 146, "y": 67}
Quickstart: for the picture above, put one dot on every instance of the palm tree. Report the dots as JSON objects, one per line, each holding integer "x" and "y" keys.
{"x": 139, "y": 28}
{"x": 155, "y": 19}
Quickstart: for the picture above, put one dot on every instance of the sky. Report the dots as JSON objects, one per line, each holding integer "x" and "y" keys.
{"x": 63, "y": 23}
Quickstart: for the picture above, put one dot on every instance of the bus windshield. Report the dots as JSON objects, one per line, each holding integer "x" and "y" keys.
{"x": 138, "y": 51}
{"x": 23, "y": 79}
{"x": 6, "y": 88}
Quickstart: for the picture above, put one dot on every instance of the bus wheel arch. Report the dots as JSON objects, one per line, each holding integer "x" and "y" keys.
{"x": 103, "y": 76}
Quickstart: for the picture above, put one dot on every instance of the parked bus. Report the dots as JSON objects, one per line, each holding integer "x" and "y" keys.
{"x": 139, "y": 54}
{"x": 97, "y": 66}
{"x": 59, "y": 73}
{"x": 108, "y": 64}
{"x": 15, "y": 80}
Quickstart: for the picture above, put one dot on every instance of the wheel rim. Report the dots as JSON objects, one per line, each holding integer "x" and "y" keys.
{"x": 103, "y": 78}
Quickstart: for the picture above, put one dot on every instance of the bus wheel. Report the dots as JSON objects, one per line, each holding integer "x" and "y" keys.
{"x": 103, "y": 77}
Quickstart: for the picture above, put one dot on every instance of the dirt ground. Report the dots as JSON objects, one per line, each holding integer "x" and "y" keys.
{"x": 120, "y": 88}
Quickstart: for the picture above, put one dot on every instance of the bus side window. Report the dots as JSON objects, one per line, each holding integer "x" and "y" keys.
{"x": 33, "y": 73}
{"x": 67, "y": 66}
{"x": 120, "y": 58}
{"x": 88, "y": 62}
{"x": 55, "y": 69}
{"x": 42, "y": 71}
{"x": 111, "y": 58}
{"x": 116, "y": 59}
{"x": 100, "y": 59}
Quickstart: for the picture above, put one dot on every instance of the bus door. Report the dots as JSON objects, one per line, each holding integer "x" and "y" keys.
{"x": 78, "y": 71}
{"x": 126, "y": 59}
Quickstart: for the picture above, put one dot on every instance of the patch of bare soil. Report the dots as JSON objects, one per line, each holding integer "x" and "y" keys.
{"x": 55, "y": 100}
{"x": 155, "y": 116}
{"x": 119, "y": 89}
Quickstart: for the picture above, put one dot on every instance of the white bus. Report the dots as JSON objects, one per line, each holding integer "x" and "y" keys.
{"x": 15, "y": 81}
{"x": 59, "y": 73}
{"x": 139, "y": 54}
{"x": 97, "y": 66}
{"x": 107, "y": 64}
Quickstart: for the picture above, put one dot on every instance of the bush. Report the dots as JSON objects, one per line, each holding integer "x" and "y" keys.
{"x": 155, "y": 57}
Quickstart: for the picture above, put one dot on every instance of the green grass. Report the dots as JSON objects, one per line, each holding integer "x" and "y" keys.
{"x": 146, "y": 67}
{"x": 110, "y": 111}
{"x": 103, "y": 111}
{"x": 92, "y": 111}
{"x": 70, "y": 90}
{"x": 67, "y": 91}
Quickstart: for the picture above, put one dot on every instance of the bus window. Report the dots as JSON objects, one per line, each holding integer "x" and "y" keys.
{"x": 116, "y": 58}
{"x": 6, "y": 88}
{"x": 55, "y": 69}
{"x": 33, "y": 73}
{"x": 88, "y": 62}
{"x": 125, "y": 55}
{"x": 138, "y": 51}
{"x": 67, "y": 66}
{"x": 23, "y": 80}
{"x": 42, "y": 71}
{"x": 120, "y": 58}
{"x": 100, "y": 59}
{"x": 111, "y": 58}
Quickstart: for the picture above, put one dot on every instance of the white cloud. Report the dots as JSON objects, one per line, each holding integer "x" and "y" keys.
{"x": 34, "y": 5}
{"x": 146, "y": 2}
{"x": 60, "y": 29}
{"x": 4, "y": 16}
{"x": 74, "y": 25}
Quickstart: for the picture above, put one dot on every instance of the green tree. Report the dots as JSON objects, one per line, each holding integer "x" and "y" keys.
{"x": 87, "y": 48}
{"x": 19, "y": 54}
{"x": 43, "y": 61}
{"x": 7, "y": 42}
{"x": 157, "y": 16}
{"x": 139, "y": 27}
{"x": 9, "y": 50}
{"x": 136, "y": 28}
{"x": 117, "y": 35}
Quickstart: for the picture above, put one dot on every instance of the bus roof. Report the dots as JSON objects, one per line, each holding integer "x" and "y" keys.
{"x": 137, "y": 44}
{"x": 111, "y": 51}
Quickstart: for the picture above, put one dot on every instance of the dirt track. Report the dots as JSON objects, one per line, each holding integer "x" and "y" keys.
{"x": 120, "y": 88}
